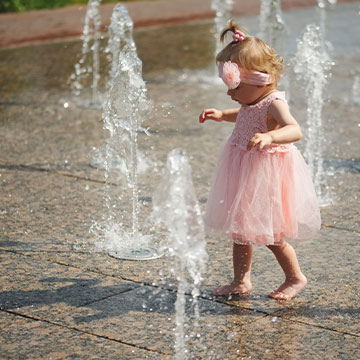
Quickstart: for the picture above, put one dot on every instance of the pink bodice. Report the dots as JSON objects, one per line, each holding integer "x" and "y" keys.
{"x": 252, "y": 119}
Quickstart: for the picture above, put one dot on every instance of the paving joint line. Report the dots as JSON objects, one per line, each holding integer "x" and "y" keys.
{"x": 320, "y": 326}
{"x": 22, "y": 167}
{"x": 81, "y": 330}
{"x": 138, "y": 282}
{"x": 107, "y": 297}
{"x": 70, "y": 265}
{"x": 341, "y": 228}
{"x": 204, "y": 297}
{"x": 278, "y": 314}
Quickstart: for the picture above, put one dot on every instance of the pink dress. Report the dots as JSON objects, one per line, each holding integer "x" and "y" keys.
{"x": 261, "y": 196}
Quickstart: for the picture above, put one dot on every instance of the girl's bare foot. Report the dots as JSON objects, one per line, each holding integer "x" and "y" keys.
{"x": 289, "y": 288}
{"x": 234, "y": 288}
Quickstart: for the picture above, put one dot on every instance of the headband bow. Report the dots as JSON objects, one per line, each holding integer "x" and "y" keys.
{"x": 238, "y": 36}
{"x": 232, "y": 75}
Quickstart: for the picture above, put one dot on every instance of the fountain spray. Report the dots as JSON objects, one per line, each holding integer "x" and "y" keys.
{"x": 272, "y": 25}
{"x": 91, "y": 43}
{"x": 273, "y": 31}
{"x": 222, "y": 10}
{"x": 120, "y": 36}
{"x": 312, "y": 65}
{"x": 123, "y": 111}
{"x": 324, "y": 7}
{"x": 175, "y": 204}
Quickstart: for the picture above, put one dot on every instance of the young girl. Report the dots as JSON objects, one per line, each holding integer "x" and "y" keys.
{"x": 262, "y": 191}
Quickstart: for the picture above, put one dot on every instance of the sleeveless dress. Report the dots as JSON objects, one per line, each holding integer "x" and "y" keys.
{"x": 261, "y": 196}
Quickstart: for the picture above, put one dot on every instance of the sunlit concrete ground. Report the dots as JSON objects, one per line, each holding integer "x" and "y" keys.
{"x": 60, "y": 300}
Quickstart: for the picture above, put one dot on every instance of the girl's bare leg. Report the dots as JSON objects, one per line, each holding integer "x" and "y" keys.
{"x": 242, "y": 255}
{"x": 295, "y": 280}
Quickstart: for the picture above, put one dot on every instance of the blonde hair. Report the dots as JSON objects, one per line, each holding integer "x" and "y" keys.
{"x": 251, "y": 54}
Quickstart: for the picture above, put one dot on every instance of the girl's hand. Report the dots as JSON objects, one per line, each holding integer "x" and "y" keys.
{"x": 210, "y": 114}
{"x": 261, "y": 139}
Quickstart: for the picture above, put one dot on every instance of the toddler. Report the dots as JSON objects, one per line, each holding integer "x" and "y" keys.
{"x": 262, "y": 191}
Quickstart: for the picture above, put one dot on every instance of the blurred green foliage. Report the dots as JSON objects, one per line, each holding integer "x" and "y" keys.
{"x": 23, "y": 5}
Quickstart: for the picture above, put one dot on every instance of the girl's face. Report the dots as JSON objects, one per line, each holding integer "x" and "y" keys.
{"x": 246, "y": 94}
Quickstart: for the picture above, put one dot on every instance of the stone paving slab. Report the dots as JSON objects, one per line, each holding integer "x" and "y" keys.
{"x": 38, "y": 201}
{"x": 35, "y": 287}
{"x": 26, "y": 338}
{"x": 336, "y": 310}
{"x": 341, "y": 278}
{"x": 145, "y": 318}
{"x": 332, "y": 295}
{"x": 275, "y": 338}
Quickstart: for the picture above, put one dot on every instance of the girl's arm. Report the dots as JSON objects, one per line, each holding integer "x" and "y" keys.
{"x": 286, "y": 131}
{"x": 219, "y": 115}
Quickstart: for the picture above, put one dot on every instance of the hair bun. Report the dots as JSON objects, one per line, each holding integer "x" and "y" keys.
{"x": 238, "y": 36}
{"x": 238, "y": 33}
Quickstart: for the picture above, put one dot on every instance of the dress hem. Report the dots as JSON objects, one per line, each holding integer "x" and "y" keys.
{"x": 230, "y": 238}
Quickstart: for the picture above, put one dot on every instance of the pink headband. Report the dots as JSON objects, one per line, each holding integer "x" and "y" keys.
{"x": 232, "y": 75}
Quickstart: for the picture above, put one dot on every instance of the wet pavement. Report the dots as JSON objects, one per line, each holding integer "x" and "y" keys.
{"x": 61, "y": 300}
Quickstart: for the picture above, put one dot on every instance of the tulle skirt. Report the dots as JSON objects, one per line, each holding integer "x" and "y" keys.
{"x": 262, "y": 196}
